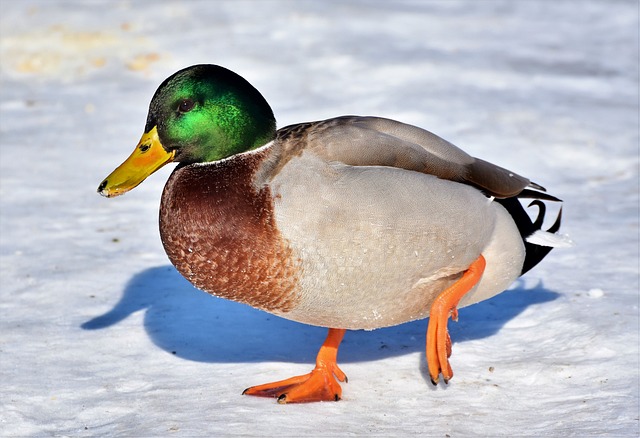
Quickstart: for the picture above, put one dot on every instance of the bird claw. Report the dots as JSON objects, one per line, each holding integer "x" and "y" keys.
{"x": 443, "y": 307}
{"x": 321, "y": 384}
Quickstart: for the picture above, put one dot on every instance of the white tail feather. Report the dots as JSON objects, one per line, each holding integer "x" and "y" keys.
{"x": 544, "y": 238}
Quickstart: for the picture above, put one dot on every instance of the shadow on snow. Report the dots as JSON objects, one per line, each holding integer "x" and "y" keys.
{"x": 196, "y": 326}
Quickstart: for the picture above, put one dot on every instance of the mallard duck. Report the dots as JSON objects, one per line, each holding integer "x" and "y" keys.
{"x": 346, "y": 223}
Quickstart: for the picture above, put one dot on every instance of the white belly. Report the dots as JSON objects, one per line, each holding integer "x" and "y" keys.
{"x": 378, "y": 244}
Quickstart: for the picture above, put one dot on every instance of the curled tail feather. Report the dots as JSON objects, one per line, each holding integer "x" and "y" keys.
{"x": 536, "y": 247}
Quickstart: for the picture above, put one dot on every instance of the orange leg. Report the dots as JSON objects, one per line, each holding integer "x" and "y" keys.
{"x": 319, "y": 385}
{"x": 438, "y": 340}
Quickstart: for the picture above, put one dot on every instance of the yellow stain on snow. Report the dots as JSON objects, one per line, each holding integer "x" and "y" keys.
{"x": 63, "y": 51}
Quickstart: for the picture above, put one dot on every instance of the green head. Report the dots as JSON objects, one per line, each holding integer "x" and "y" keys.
{"x": 206, "y": 112}
{"x": 200, "y": 114}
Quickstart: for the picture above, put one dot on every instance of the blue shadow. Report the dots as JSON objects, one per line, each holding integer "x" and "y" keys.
{"x": 196, "y": 326}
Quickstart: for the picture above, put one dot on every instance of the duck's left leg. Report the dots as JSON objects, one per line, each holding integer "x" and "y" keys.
{"x": 438, "y": 340}
{"x": 319, "y": 385}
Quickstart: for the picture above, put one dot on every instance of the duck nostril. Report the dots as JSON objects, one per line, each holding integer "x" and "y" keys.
{"x": 102, "y": 185}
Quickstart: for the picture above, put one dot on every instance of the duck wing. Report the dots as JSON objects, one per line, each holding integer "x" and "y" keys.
{"x": 376, "y": 141}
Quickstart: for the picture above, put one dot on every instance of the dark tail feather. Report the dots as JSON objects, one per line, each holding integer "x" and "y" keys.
{"x": 533, "y": 253}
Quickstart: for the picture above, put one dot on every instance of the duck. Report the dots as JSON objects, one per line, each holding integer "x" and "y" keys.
{"x": 348, "y": 223}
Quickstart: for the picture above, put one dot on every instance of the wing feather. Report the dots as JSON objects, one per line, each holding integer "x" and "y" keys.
{"x": 376, "y": 141}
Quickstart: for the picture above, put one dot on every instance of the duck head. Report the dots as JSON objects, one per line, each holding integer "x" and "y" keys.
{"x": 199, "y": 114}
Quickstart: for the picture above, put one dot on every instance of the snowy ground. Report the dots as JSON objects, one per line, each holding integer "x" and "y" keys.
{"x": 99, "y": 336}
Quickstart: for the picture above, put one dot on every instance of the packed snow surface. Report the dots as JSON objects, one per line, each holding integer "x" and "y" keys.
{"x": 100, "y": 336}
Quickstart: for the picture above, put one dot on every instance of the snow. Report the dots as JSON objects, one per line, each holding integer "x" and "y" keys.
{"x": 101, "y": 337}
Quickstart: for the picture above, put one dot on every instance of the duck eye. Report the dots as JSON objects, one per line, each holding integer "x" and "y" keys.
{"x": 186, "y": 105}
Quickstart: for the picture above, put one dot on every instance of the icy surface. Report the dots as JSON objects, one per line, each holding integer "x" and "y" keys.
{"x": 99, "y": 336}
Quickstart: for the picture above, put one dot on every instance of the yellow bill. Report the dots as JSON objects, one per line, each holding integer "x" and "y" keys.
{"x": 147, "y": 157}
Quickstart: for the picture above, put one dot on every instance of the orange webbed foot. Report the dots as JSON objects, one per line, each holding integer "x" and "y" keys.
{"x": 438, "y": 339}
{"x": 321, "y": 384}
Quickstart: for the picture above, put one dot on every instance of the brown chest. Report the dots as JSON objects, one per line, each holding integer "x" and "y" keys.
{"x": 219, "y": 232}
